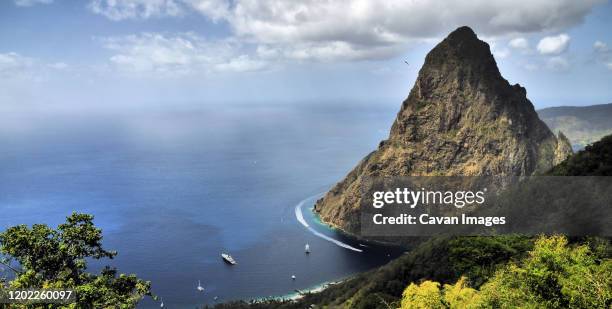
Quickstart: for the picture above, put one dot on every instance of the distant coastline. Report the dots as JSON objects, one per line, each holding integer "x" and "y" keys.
{"x": 314, "y": 289}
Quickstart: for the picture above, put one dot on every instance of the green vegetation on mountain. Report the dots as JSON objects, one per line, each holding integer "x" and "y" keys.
{"x": 594, "y": 160}
{"x": 553, "y": 275}
{"x": 49, "y": 258}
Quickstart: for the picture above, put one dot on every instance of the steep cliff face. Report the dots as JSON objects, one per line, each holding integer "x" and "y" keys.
{"x": 564, "y": 148}
{"x": 460, "y": 118}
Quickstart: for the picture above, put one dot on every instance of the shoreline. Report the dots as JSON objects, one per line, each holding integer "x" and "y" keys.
{"x": 317, "y": 288}
{"x": 294, "y": 296}
{"x": 299, "y": 294}
{"x": 299, "y": 214}
{"x": 333, "y": 226}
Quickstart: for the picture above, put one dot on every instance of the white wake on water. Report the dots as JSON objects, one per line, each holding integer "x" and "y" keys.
{"x": 300, "y": 217}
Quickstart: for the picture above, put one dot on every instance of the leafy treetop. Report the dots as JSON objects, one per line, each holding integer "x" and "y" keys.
{"x": 57, "y": 258}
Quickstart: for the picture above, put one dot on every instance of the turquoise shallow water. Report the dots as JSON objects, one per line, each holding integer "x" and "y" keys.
{"x": 172, "y": 189}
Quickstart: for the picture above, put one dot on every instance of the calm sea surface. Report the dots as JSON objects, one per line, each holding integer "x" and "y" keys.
{"x": 173, "y": 188}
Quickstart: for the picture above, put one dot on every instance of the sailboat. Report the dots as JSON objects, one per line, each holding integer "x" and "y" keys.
{"x": 307, "y": 248}
{"x": 200, "y": 287}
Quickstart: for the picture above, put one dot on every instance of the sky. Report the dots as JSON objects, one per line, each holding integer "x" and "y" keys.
{"x": 121, "y": 54}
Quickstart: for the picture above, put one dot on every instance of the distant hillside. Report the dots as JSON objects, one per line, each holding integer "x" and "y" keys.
{"x": 582, "y": 125}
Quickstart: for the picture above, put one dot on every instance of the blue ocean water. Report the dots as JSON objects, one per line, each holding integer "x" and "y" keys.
{"x": 173, "y": 188}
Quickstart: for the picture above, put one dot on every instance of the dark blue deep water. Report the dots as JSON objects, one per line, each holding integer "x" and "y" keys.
{"x": 172, "y": 188}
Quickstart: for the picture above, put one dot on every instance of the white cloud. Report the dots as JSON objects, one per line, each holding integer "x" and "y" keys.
{"x": 135, "y": 9}
{"x": 58, "y": 66}
{"x": 554, "y": 45}
{"x": 499, "y": 53}
{"x": 336, "y": 50}
{"x": 519, "y": 43}
{"x": 15, "y": 65}
{"x": 242, "y": 63}
{"x": 363, "y": 29}
{"x": 363, "y": 25}
{"x": 31, "y": 2}
{"x": 557, "y": 63}
{"x": 142, "y": 9}
{"x": 267, "y": 52}
{"x": 178, "y": 54}
{"x": 603, "y": 54}
{"x": 601, "y": 47}
{"x": 215, "y": 9}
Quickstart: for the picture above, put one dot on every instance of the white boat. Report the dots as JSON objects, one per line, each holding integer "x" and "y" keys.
{"x": 228, "y": 258}
{"x": 162, "y": 303}
{"x": 307, "y": 248}
{"x": 200, "y": 287}
{"x": 293, "y": 277}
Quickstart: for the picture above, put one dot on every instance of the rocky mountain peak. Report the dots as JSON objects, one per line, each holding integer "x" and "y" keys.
{"x": 462, "y": 49}
{"x": 460, "y": 118}
{"x": 463, "y": 118}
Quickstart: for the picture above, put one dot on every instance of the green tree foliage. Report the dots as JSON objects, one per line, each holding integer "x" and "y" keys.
{"x": 478, "y": 257}
{"x": 424, "y": 295}
{"x": 460, "y": 295}
{"x": 553, "y": 275}
{"x": 57, "y": 259}
{"x": 429, "y": 295}
{"x": 594, "y": 160}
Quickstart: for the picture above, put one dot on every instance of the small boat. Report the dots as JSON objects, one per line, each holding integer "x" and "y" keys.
{"x": 228, "y": 258}
{"x": 307, "y": 248}
{"x": 292, "y": 277}
{"x": 215, "y": 298}
{"x": 200, "y": 287}
{"x": 162, "y": 303}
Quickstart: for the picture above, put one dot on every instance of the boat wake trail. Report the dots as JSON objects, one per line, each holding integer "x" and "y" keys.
{"x": 300, "y": 217}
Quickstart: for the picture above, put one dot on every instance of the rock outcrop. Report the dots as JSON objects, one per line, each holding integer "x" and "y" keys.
{"x": 564, "y": 148}
{"x": 460, "y": 118}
